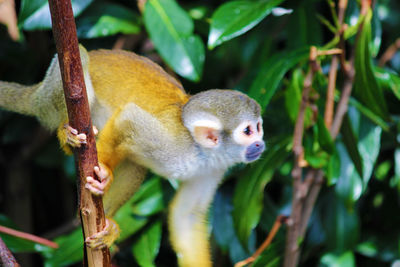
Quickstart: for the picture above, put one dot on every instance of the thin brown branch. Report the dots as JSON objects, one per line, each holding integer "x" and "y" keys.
{"x": 29, "y": 237}
{"x": 275, "y": 228}
{"x": 313, "y": 190}
{"x": 6, "y": 258}
{"x": 330, "y": 94}
{"x": 389, "y": 53}
{"x": 292, "y": 248}
{"x": 90, "y": 206}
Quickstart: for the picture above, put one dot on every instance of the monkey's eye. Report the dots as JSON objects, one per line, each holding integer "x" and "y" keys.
{"x": 258, "y": 127}
{"x": 247, "y": 131}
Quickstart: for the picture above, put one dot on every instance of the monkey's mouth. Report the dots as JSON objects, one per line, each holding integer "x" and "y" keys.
{"x": 254, "y": 151}
{"x": 253, "y": 156}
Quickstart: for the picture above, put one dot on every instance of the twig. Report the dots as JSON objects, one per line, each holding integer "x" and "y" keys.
{"x": 314, "y": 178}
{"x": 275, "y": 228}
{"x": 299, "y": 191}
{"x": 389, "y": 53}
{"x": 29, "y": 237}
{"x": 90, "y": 206}
{"x": 6, "y": 258}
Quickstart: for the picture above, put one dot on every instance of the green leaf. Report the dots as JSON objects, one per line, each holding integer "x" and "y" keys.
{"x": 367, "y": 88}
{"x": 293, "y": 94}
{"x": 349, "y": 185}
{"x": 389, "y": 80}
{"x": 324, "y": 137}
{"x": 350, "y": 140}
{"x": 237, "y": 17}
{"x": 369, "y": 114}
{"x": 345, "y": 259}
{"x": 271, "y": 74}
{"x": 395, "y": 181}
{"x": 171, "y": 30}
{"x": 146, "y": 248}
{"x": 341, "y": 224}
{"x": 271, "y": 256}
{"x": 150, "y": 198}
{"x": 70, "y": 250}
{"x": 105, "y": 19}
{"x": 303, "y": 27}
{"x": 223, "y": 228}
{"x": 249, "y": 191}
{"x": 35, "y": 14}
{"x": 364, "y": 145}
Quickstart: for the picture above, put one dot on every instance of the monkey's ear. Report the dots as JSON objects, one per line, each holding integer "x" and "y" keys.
{"x": 207, "y": 133}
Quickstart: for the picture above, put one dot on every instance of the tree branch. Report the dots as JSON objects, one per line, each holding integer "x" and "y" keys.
{"x": 6, "y": 258}
{"x": 90, "y": 206}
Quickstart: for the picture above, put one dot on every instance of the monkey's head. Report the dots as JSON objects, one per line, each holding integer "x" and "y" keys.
{"x": 226, "y": 124}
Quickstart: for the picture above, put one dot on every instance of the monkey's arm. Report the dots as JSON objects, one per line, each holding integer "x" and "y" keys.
{"x": 188, "y": 217}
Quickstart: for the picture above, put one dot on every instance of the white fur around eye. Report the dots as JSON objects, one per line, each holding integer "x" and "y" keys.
{"x": 239, "y": 136}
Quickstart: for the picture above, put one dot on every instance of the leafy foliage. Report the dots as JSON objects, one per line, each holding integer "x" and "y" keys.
{"x": 260, "y": 47}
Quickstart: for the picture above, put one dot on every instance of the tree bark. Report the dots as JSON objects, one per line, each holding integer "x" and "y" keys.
{"x": 90, "y": 206}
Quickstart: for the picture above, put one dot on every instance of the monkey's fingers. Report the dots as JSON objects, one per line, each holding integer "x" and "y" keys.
{"x": 96, "y": 187}
{"x": 74, "y": 138}
{"x": 104, "y": 238}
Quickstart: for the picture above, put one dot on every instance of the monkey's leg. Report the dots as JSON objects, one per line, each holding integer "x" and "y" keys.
{"x": 188, "y": 220}
{"x": 128, "y": 177}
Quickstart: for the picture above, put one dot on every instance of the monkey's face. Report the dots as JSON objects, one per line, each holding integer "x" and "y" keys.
{"x": 248, "y": 135}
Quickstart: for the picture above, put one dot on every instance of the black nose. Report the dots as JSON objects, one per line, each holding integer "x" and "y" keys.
{"x": 254, "y": 150}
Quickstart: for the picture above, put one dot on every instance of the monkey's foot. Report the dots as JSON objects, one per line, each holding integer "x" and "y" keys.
{"x": 99, "y": 187}
{"x": 74, "y": 138}
{"x": 104, "y": 238}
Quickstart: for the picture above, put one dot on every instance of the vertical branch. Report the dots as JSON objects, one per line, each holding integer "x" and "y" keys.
{"x": 292, "y": 249}
{"x": 310, "y": 188}
{"x": 90, "y": 206}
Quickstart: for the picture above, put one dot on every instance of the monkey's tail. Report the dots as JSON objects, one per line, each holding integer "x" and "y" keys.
{"x": 18, "y": 98}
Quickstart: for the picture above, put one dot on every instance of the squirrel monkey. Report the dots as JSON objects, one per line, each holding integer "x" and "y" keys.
{"x": 147, "y": 121}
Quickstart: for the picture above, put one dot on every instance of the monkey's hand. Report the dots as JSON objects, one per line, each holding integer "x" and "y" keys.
{"x": 69, "y": 137}
{"x": 98, "y": 188}
{"x": 104, "y": 238}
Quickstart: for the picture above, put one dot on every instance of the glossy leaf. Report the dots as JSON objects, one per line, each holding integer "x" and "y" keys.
{"x": 271, "y": 73}
{"x": 367, "y": 88}
{"x": 237, "y": 17}
{"x": 369, "y": 114}
{"x": 171, "y": 30}
{"x": 35, "y": 14}
{"x": 351, "y": 183}
{"x": 346, "y": 259}
{"x": 388, "y": 80}
{"x": 150, "y": 198}
{"x": 105, "y": 19}
{"x": 349, "y": 186}
{"x": 248, "y": 195}
{"x": 146, "y": 248}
